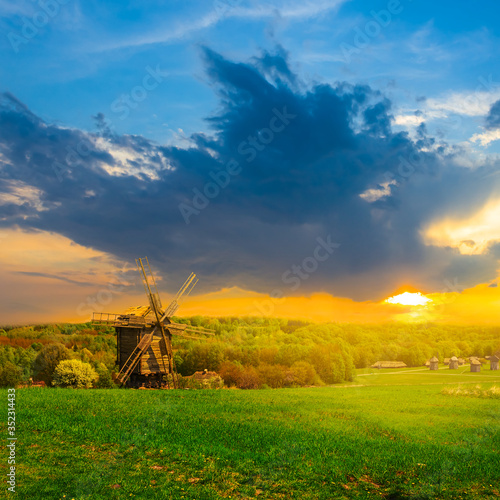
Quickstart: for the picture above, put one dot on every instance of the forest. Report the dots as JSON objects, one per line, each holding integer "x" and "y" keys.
{"x": 248, "y": 353}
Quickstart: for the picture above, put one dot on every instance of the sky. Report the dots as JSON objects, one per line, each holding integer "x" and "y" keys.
{"x": 304, "y": 159}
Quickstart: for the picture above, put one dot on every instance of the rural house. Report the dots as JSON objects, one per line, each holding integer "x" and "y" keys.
{"x": 389, "y": 364}
{"x": 475, "y": 365}
{"x": 494, "y": 359}
{"x": 453, "y": 363}
{"x": 434, "y": 363}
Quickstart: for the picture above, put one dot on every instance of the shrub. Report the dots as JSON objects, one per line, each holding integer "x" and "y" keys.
{"x": 249, "y": 378}
{"x": 74, "y": 373}
{"x": 304, "y": 374}
{"x": 11, "y": 375}
{"x": 47, "y": 359}
{"x": 230, "y": 373}
{"x": 105, "y": 381}
{"x": 273, "y": 375}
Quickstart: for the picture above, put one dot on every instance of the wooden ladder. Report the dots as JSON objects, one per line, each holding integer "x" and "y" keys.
{"x": 132, "y": 360}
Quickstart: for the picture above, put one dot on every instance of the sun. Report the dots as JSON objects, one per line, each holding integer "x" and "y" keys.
{"x": 409, "y": 299}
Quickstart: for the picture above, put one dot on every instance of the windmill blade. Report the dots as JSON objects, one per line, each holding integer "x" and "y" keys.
{"x": 184, "y": 291}
{"x": 151, "y": 289}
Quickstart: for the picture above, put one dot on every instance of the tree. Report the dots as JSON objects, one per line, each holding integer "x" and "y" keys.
{"x": 47, "y": 359}
{"x": 230, "y": 373}
{"x": 304, "y": 373}
{"x": 74, "y": 373}
{"x": 105, "y": 381}
{"x": 11, "y": 375}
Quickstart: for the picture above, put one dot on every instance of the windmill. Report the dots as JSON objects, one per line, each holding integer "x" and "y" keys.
{"x": 144, "y": 334}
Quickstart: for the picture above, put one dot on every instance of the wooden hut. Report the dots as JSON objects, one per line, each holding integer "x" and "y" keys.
{"x": 208, "y": 379}
{"x": 494, "y": 359}
{"x": 475, "y": 365}
{"x": 446, "y": 361}
{"x": 389, "y": 364}
{"x": 434, "y": 363}
{"x": 461, "y": 361}
{"x": 453, "y": 363}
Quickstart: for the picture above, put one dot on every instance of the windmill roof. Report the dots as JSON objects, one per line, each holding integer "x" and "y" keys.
{"x": 454, "y": 358}
{"x": 434, "y": 359}
{"x": 475, "y": 361}
{"x": 138, "y": 310}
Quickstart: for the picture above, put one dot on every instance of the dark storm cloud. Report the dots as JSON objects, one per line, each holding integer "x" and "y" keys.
{"x": 493, "y": 117}
{"x": 288, "y": 188}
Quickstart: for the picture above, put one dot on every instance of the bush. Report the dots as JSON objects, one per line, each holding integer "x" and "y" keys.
{"x": 105, "y": 381}
{"x": 230, "y": 373}
{"x": 249, "y": 378}
{"x": 74, "y": 373}
{"x": 47, "y": 359}
{"x": 11, "y": 375}
{"x": 273, "y": 375}
{"x": 303, "y": 373}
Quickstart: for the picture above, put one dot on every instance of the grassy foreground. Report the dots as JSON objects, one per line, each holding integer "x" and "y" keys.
{"x": 378, "y": 440}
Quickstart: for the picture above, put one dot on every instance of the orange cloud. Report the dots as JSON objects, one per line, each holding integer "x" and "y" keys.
{"x": 48, "y": 278}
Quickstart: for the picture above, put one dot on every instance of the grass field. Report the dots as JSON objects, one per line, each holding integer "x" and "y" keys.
{"x": 387, "y": 435}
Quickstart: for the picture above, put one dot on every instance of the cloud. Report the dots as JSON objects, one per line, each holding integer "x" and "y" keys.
{"x": 226, "y": 9}
{"x": 486, "y": 137}
{"x": 475, "y": 103}
{"x": 493, "y": 118}
{"x": 121, "y": 194}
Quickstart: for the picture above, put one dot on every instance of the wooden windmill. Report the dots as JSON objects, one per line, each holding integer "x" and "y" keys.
{"x": 144, "y": 335}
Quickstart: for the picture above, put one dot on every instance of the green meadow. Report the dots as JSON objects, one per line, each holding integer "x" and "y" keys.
{"x": 394, "y": 435}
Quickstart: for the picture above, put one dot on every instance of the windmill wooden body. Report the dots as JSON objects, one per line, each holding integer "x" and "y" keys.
{"x": 144, "y": 335}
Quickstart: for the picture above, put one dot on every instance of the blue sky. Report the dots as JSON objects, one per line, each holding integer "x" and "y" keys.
{"x": 374, "y": 124}
{"x": 89, "y": 54}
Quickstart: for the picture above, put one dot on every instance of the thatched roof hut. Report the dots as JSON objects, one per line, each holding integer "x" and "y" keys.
{"x": 446, "y": 361}
{"x": 208, "y": 379}
{"x": 434, "y": 363}
{"x": 475, "y": 365}
{"x": 453, "y": 363}
{"x": 494, "y": 361}
{"x": 389, "y": 364}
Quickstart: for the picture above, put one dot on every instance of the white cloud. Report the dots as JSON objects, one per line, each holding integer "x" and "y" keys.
{"x": 20, "y": 193}
{"x": 374, "y": 194}
{"x": 294, "y": 10}
{"x": 476, "y": 103}
{"x": 486, "y": 137}
{"x": 409, "y": 120}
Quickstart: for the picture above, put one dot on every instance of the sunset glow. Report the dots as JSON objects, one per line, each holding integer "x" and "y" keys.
{"x": 409, "y": 299}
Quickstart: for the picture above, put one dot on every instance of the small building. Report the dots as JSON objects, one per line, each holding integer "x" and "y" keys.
{"x": 434, "y": 363}
{"x": 446, "y": 361}
{"x": 475, "y": 365}
{"x": 453, "y": 363}
{"x": 208, "y": 379}
{"x": 494, "y": 359}
{"x": 461, "y": 361}
{"x": 427, "y": 363}
{"x": 389, "y": 364}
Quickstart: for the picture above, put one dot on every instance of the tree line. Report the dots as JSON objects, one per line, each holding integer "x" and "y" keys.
{"x": 245, "y": 352}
